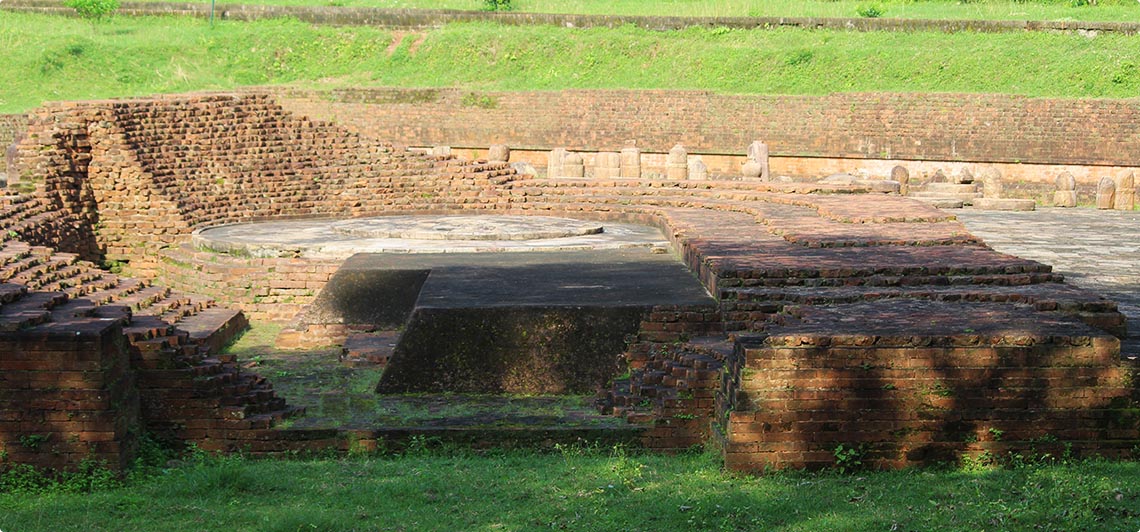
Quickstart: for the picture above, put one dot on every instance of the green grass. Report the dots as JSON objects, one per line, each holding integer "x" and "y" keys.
{"x": 336, "y": 395}
{"x": 51, "y": 58}
{"x": 1106, "y": 10}
{"x": 593, "y": 490}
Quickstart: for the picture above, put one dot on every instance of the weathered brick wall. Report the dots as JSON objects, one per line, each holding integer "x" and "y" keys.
{"x": 67, "y": 397}
{"x": 11, "y": 126}
{"x": 145, "y": 173}
{"x": 803, "y": 132}
{"x": 273, "y": 289}
{"x": 919, "y": 396}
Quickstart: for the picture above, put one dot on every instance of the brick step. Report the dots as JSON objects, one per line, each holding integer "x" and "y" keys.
{"x": 11, "y": 292}
{"x": 905, "y": 281}
{"x": 47, "y": 271}
{"x": 20, "y": 262}
{"x": 213, "y": 328}
{"x": 369, "y": 348}
{"x": 94, "y": 281}
{"x": 191, "y": 304}
{"x": 35, "y": 301}
{"x": 269, "y": 419}
{"x": 172, "y": 302}
{"x": 1043, "y": 295}
{"x": 12, "y": 251}
{"x": 73, "y": 308}
{"x": 73, "y": 279}
{"x": 143, "y": 298}
{"x": 146, "y": 328}
{"x": 122, "y": 287}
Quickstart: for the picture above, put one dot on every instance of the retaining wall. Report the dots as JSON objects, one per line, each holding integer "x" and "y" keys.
{"x": 1030, "y": 139}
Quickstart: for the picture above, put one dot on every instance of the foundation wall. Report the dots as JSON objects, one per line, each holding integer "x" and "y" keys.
{"x": 796, "y": 405}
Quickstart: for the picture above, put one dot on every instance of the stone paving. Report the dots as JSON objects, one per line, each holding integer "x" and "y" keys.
{"x": 1094, "y": 249}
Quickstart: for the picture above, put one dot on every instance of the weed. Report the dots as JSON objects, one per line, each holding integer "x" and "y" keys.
{"x": 94, "y": 10}
{"x": 870, "y": 11}
{"x": 33, "y": 441}
{"x": 849, "y": 458}
{"x": 799, "y": 57}
{"x": 497, "y": 5}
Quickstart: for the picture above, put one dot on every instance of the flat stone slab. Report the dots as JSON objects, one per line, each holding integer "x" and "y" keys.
{"x": 602, "y": 278}
{"x": 1094, "y": 249}
{"x": 1004, "y": 204}
{"x": 340, "y": 239}
{"x": 467, "y": 227}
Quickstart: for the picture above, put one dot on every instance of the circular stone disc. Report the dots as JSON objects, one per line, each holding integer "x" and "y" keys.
{"x": 467, "y": 227}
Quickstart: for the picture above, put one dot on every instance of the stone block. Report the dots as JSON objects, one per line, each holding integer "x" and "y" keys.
{"x": 631, "y": 162}
{"x": 573, "y": 166}
{"x": 607, "y": 165}
{"x": 677, "y": 164}
{"x": 1106, "y": 193}
{"x": 499, "y": 153}
{"x": 1125, "y": 197}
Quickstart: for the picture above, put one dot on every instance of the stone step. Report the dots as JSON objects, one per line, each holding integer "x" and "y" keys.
{"x": 966, "y": 198}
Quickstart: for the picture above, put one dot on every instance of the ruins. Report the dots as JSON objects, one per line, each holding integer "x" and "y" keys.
{"x": 774, "y": 320}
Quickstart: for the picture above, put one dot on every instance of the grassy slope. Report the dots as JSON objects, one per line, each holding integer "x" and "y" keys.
{"x": 53, "y": 59}
{"x": 591, "y": 491}
{"x": 1106, "y": 10}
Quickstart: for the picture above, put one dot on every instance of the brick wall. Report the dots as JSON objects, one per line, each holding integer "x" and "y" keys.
{"x": 807, "y": 135}
{"x": 67, "y": 397}
{"x": 10, "y": 127}
{"x": 145, "y": 173}
{"x": 917, "y": 395}
{"x": 273, "y": 289}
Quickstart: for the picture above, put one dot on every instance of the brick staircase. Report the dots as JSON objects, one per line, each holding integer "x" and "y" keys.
{"x": 188, "y": 392}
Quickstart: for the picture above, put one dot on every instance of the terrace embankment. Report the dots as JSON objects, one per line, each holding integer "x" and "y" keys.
{"x": 810, "y": 285}
{"x": 1030, "y": 140}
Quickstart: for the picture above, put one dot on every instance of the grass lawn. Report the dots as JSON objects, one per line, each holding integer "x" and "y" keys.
{"x": 52, "y": 58}
{"x": 582, "y": 490}
{"x": 1105, "y": 10}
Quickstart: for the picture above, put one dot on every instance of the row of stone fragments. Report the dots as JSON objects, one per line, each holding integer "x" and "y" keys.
{"x": 562, "y": 163}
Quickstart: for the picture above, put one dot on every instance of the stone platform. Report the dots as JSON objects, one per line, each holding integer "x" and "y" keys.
{"x": 340, "y": 239}
{"x": 540, "y": 322}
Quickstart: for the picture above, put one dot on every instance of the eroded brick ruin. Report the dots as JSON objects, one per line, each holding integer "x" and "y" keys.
{"x": 839, "y": 317}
